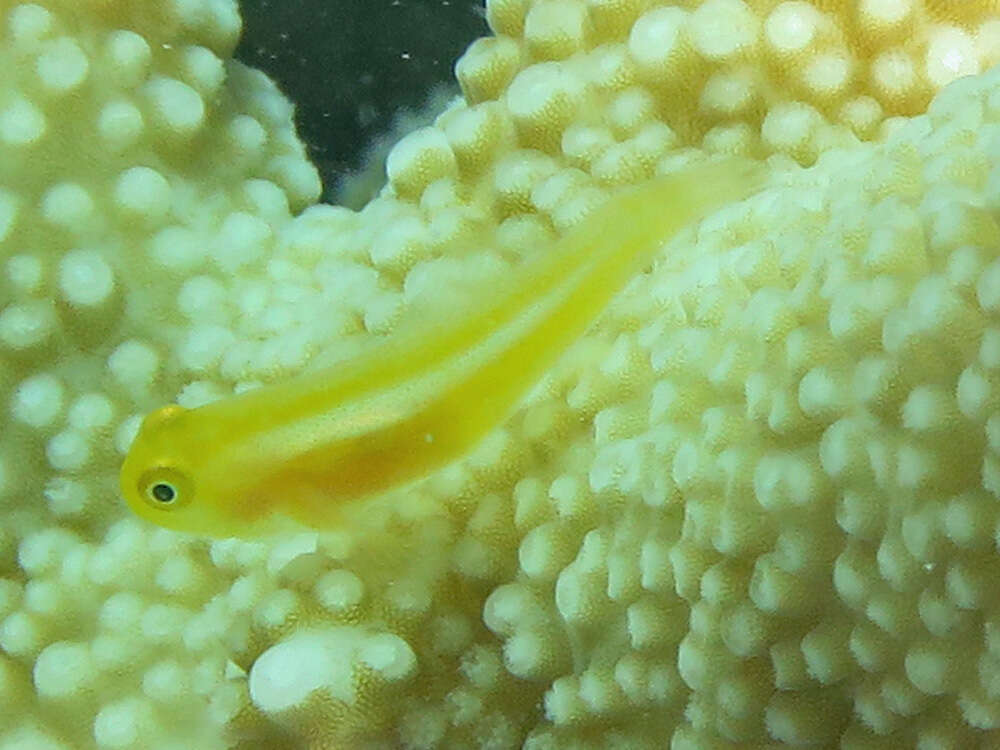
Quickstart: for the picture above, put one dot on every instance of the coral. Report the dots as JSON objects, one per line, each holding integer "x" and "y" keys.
{"x": 139, "y": 169}
{"x": 792, "y": 77}
{"x": 755, "y": 506}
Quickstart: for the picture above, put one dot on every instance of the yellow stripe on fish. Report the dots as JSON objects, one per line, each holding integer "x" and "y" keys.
{"x": 417, "y": 400}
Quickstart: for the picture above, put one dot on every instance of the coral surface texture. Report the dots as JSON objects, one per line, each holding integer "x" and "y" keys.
{"x": 755, "y": 505}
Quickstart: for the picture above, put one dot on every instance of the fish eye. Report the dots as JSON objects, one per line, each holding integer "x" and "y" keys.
{"x": 163, "y": 492}
{"x": 164, "y": 487}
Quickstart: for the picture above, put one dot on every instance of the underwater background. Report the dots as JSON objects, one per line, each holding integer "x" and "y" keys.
{"x": 754, "y": 506}
{"x": 354, "y": 67}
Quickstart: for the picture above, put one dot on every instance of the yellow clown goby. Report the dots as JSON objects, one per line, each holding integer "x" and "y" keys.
{"x": 417, "y": 400}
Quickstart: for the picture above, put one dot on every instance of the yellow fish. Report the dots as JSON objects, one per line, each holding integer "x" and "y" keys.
{"x": 417, "y": 400}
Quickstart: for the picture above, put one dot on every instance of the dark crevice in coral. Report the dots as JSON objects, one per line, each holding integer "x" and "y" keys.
{"x": 350, "y": 65}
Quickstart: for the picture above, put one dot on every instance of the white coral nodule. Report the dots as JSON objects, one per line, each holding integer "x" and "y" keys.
{"x": 328, "y": 660}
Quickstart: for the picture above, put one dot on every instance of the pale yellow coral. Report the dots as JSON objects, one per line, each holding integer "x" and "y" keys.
{"x": 846, "y": 66}
{"x": 753, "y": 508}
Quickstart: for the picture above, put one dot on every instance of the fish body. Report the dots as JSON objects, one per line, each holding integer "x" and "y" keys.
{"x": 416, "y": 401}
